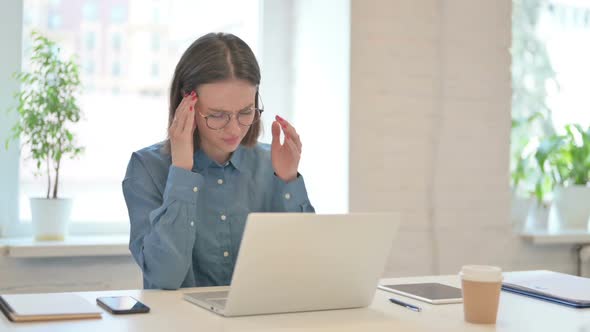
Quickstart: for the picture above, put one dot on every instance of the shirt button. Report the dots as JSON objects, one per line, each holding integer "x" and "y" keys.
{"x": 195, "y": 189}
{"x": 225, "y": 254}
{"x": 220, "y": 181}
{"x": 223, "y": 217}
{"x": 287, "y": 196}
{"x": 192, "y": 223}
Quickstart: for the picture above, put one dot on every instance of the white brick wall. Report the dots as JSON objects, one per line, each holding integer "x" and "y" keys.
{"x": 430, "y": 128}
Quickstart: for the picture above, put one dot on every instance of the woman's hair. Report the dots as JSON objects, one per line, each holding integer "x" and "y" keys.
{"x": 212, "y": 58}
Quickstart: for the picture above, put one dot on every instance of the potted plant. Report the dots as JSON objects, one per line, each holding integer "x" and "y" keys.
{"x": 532, "y": 77}
{"x": 526, "y": 212}
{"x": 565, "y": 160}
{"x": 47, "y": 107}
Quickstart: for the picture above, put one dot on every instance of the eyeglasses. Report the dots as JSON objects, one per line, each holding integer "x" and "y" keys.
{"x": 245, "y": 118}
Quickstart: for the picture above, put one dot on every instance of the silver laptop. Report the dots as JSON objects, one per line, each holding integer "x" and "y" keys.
{"x": 291, "y": 262}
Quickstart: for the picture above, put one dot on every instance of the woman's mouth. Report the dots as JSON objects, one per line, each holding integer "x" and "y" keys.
{"x": 231, "y": 140}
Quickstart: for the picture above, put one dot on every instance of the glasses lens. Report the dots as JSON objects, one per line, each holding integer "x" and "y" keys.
{"x": 246, "y": 118}
{"x": 217, "y": 121}
{"x": 249, "y": 117}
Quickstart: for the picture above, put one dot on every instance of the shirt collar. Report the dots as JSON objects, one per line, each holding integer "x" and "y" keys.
{"x": 202, "y": 161}
{"x": 237, "y": 157}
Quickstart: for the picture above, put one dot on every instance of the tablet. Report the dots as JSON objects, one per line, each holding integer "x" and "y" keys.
{"x": 433, "y": 293}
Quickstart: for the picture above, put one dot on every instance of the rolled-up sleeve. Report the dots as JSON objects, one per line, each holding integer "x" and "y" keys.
{"x": 290, "y": 196}
{"x": 162, "y": 226}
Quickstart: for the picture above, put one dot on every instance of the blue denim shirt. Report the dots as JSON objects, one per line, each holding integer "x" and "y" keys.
{"x": 186, "y": 226}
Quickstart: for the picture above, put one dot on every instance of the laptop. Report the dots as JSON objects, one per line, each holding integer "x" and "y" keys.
{"x": 292, "y": 262}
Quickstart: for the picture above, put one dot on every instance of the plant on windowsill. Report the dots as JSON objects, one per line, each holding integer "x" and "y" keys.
{"x": 47, "y": 108}
{"x": 532, "y": 76}
{"x": 565, "y": 163}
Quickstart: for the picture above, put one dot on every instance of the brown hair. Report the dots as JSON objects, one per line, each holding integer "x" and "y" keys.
{"x": 211, "y": 58}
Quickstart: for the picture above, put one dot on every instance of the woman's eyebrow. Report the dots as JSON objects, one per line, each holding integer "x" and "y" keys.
{"x": 226, "y": 111}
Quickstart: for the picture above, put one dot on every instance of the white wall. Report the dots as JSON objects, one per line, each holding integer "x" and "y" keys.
{"x": 430, "y": 128}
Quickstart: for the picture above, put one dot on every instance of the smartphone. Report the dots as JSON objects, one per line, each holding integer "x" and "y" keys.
{"x": 122, "y": 305}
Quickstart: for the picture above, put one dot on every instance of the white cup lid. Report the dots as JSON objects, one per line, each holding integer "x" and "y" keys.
{"x": 482, "y": 273}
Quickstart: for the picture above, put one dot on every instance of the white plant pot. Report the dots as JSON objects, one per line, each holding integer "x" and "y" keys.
{"x": 571, "y": 207}
{"x": 537, "y": 218}
{"x": 519, "y": 210}
{"x": 50, "y": 218}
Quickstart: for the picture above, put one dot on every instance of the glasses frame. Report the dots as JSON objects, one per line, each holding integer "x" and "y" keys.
{"x": 231, "y": 115}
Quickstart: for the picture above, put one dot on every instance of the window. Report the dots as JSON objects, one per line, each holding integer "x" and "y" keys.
{"x": 89, "y": 40}
{"x": 119, "y": 116}
{"x": 550, "y": 70}
{"x": 118, "y": 14}
{"x": 89, "y": 68}
{"x": 155, "y": 42}
{"x": 564, "y": 27}
{"x": 90, "y": 11}
{"x": 125, "y": 113}
{"x": 54, "y": 22}
{"x": 155, "y": 70}
{"x": 116, "y": 69}
{"x": 116, "y": 42}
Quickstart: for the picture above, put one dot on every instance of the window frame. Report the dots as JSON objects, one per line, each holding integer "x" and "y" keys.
{"x": 10, "y": 223}
{"x": 279, "y": 27}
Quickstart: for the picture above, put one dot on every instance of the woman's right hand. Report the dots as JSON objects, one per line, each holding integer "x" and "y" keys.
{"x": 181, "y": 132}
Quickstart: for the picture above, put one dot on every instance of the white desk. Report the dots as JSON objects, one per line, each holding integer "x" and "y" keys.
{"x": 169, "y": 312}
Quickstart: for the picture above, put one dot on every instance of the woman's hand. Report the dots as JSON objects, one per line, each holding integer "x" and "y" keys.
{"x": 285, "y": 157}
{"x": 181, "y": 132}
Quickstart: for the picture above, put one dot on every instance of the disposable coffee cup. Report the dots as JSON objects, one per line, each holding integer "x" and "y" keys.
{"x": 481, "y": 286}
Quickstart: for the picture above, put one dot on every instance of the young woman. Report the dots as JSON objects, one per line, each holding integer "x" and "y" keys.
{"x": 188, "y": 197}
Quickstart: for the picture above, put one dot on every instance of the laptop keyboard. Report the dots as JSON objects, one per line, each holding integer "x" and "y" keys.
{"x": 217, "y": 298}
{"x": 215, "y": 295}
{"x": 218, "y": 302}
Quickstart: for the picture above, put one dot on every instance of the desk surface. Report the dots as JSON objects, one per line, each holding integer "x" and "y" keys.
{"x": 169, "y": 312}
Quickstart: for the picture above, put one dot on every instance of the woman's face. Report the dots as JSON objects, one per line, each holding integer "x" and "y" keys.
{"x": 216, "y": 100}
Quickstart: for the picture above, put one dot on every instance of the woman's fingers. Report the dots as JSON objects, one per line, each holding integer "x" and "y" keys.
{"x": 293, "y": 147}
{"x": 290, "y": 131}
{"x": 178, "y": 114}
{"x": 189, "y": 117}
{"x": 183, "y": 114}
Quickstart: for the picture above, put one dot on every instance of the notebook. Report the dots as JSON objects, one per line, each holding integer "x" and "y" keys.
{"x": 551, "y": 286}
{"x": 53, "y": 306}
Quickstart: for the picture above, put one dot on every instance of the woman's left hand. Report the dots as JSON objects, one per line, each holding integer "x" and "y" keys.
{"x": 285, "y": 157}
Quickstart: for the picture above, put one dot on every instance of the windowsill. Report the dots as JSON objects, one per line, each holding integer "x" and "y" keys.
{"x": 557, "y": 237}
{"x": 72, "y": 246}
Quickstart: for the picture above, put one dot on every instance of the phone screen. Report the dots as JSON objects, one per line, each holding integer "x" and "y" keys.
{"x": 122, "y": 304}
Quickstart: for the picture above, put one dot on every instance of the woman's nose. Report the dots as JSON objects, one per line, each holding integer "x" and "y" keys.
{"x": 233, "y": 126}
